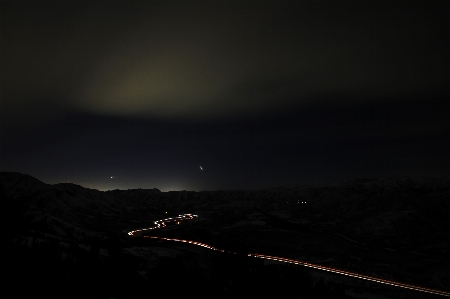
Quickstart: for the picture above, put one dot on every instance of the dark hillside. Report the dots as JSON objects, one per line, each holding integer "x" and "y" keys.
{"x": 76, "y": 238}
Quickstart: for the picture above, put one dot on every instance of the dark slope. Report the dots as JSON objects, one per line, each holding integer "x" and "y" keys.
{"x": 70, "y": 235}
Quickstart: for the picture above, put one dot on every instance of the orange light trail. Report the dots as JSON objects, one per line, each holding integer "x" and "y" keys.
{"x": 163, "y": 223}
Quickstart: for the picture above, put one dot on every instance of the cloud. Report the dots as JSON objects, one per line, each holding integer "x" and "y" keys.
{"x": 185, "y": 61}
{"x": 220, "y": 61}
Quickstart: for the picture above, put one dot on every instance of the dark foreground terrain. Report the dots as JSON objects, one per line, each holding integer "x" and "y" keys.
{"x": 64, "y": 240}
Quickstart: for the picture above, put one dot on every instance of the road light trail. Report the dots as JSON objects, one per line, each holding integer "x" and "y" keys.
{"x": 163, "y": 223}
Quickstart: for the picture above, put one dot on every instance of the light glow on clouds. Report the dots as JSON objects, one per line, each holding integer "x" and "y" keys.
{"x": 206, "y": 61}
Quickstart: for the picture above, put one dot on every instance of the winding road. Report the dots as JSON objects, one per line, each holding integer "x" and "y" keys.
{"x": 184, "y": 217}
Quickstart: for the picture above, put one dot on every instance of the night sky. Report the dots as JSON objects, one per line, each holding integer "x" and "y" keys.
{"x": 259, "y": 94}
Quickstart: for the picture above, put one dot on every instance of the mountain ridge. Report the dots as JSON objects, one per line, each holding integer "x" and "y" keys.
{"x": 396, "y": 227}
{"x": 30, "y": 182}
